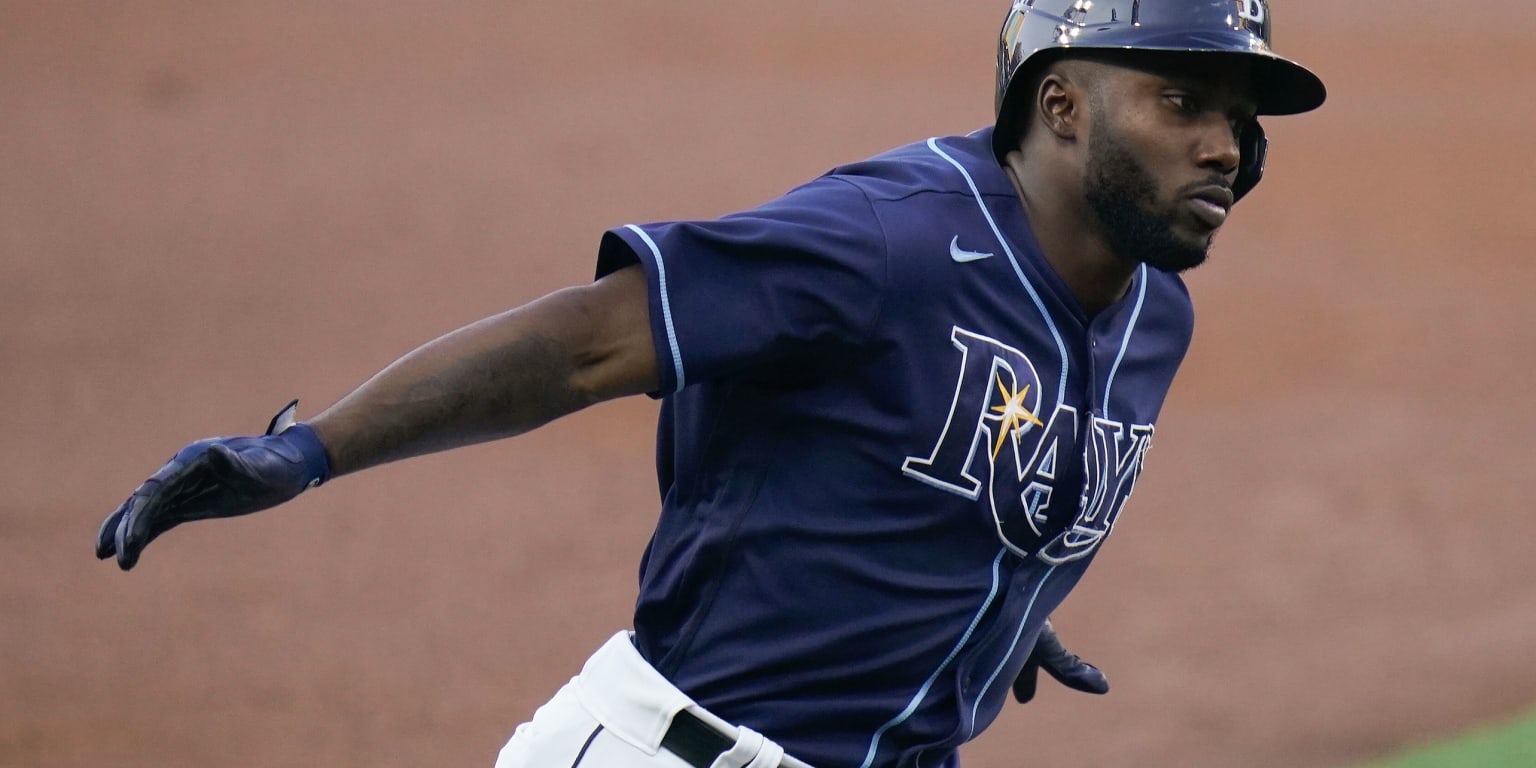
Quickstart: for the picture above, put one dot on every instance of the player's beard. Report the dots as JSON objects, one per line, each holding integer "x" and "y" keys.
{"x": 1122, "y": 194}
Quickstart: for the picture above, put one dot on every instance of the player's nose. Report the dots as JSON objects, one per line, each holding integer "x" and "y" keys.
{"x": 1218, "y": 147}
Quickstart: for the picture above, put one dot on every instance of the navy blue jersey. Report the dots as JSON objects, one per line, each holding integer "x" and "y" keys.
{"x": 890, "y": 443}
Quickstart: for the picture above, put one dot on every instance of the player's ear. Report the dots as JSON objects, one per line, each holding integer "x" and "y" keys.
{"x": 1059, "y": 104}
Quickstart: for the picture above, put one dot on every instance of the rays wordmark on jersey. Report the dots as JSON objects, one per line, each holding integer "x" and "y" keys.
{"x": 996, "y": 442}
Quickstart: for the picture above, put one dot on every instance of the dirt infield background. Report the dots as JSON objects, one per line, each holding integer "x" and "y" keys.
{"x": 207, "y": 208}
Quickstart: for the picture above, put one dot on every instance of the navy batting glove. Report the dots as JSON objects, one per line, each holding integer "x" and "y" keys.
{"x": 220, "y": 477}
{"x": 1067, "y": 668}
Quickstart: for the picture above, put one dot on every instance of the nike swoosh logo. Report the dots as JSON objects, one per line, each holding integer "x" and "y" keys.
{"x": 962, "y": 256}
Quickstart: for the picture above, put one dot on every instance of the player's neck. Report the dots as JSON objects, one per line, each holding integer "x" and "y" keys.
{"x": 1063, "y": 225}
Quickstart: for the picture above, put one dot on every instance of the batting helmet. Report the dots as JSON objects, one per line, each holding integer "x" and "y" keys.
{"x": 1032, "y": 35}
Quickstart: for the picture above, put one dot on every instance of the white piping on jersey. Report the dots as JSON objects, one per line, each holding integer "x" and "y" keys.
{"x": 922, "y": 693}
{"x": 1126, "y": 342}
{"x": 1061, "y": 347}
{"x": 666, "y": 304}
{"x": 1024, "y": 622}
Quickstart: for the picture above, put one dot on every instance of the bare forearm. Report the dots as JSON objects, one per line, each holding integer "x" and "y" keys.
{"x": 499, "y": 377}
{"x": 460, "y": 389}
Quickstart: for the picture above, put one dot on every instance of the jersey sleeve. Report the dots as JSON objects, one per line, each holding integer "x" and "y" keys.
{"x": 782, "y": 290}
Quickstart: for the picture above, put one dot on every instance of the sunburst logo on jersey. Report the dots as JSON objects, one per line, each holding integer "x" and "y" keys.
{"x": 1013, "y": 414}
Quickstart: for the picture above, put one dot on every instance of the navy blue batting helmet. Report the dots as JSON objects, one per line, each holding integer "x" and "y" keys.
{"x": 1037, "y": 30}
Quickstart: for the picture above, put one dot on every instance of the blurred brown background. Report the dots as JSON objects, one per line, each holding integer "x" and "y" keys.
{"x": 209, "y": 207}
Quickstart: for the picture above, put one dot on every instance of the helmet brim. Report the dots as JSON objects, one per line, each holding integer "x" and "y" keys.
{"x": 1285, "y": 87}
{"x": 1281, "y": 86}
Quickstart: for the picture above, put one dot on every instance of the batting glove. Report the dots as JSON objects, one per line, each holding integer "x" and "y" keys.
{"x": 219, "y": 477}
{"x": 1067, "y": 668}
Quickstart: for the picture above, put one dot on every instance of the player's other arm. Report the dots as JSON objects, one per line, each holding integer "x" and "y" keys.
{"x": 498, "y": 377}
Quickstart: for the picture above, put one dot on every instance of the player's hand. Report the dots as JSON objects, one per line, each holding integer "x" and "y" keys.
{"x": 219, "y": 477}
{"x": 1067, "y": 668}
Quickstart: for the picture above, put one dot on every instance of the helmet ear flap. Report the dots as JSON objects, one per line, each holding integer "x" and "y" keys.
{"x": 1250, "y": 165}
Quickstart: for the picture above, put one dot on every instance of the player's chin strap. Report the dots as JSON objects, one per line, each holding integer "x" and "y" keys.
{"x": 1250, "y": 165}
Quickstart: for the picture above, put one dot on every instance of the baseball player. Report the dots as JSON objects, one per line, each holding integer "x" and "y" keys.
{"x": 902, "y": 405}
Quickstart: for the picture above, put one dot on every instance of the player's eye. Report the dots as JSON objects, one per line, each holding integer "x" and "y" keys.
{"x": 1184, "y": 103}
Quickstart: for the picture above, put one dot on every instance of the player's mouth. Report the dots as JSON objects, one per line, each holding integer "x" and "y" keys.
{"x": 1210, "y": 205}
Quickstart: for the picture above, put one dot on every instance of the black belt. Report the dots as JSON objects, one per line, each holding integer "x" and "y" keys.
{"x": 695, "y": 741}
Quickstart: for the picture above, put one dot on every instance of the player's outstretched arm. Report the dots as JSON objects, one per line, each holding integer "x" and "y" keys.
{"x": 494, "y": 378}
{"x": 499, "y": 377}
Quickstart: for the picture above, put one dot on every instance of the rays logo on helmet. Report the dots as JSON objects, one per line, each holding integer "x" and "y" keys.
{"x": 1252, "y": 10}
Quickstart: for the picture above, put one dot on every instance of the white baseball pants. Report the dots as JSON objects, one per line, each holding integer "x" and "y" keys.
{"x": 616, "y": 714}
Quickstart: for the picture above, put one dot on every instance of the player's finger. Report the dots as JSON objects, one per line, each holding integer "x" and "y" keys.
{"x": 141, "y": 511}
{"x": 179, "y": 492}
{"x": 109, "y": 536}
{"x": 1024, "y": 684}
{"x": 123, "y": 538}
{"x": 106, "y": 535}
{"x": 1079, "y": 675}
